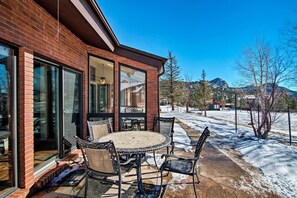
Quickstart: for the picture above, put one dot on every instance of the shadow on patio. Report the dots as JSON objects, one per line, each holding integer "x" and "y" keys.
{"x": 219, "y": 177}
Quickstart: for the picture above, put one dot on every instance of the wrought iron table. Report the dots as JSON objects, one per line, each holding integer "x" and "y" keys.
{"x": 138, "y": 143}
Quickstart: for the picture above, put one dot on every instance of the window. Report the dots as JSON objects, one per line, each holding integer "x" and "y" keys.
{"x": 132, "y": 99}
{"x": 8, "y": 112}
{"x": 101, "y": 86}
{"x": 133, "y": 90}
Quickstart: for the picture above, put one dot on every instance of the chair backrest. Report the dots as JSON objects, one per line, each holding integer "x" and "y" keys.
{"x": 164, "y": 125}
{"x": 201, "y": 142}
{"x": 97, "y": 129}
{"x": 100, "y": 156}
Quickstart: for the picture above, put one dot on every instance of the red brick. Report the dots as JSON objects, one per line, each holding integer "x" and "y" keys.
{"x": 29, "y": 26}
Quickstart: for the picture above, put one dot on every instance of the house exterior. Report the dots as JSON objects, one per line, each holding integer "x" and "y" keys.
{"x": 61, "y": 65}
{"x": 214, "y": 105}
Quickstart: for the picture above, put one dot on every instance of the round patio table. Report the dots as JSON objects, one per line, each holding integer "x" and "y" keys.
{"x": 138, "y": 143}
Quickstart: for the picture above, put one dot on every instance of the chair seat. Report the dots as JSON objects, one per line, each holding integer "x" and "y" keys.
{"x": 178, "y": 166}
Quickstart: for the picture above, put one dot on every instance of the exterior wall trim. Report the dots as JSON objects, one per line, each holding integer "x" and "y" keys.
{"x": 83, "y": 8}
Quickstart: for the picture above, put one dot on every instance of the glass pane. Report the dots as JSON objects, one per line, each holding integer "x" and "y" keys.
{"x": 72, "y": 109}
{"x": 92, "y": 98}
{"x": 101, "y": 85}
{"x": 132, "y": 90}
{"x": 132, "y": 124}
{"x": 7, "y": 177}
{"x": 46, "y": 112}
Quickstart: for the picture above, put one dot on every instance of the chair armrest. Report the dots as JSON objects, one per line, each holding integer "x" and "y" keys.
{"x": 177, "y": 157}
{"x": 128, "y": 161}
{"x": 89, "y": 139}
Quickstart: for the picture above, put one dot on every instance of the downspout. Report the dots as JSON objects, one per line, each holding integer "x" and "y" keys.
{"x": 161, "y": 72}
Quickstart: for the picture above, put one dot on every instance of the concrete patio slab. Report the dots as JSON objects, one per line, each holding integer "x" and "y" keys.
{"x": 219, "y": 175}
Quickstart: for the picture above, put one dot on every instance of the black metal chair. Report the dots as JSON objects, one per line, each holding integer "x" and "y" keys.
{"x": 101, "y": 159}
{"x": 97, "y": 129}
{"x": 182, "y": 165}
{"x": 165, "y": 126}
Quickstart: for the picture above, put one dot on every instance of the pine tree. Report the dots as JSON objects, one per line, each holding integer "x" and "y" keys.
{"x": 170, "y": 85}
{"x": 203, "y": 94}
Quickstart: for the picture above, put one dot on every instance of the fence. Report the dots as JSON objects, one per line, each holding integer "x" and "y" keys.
{"x": 256, "y": 111}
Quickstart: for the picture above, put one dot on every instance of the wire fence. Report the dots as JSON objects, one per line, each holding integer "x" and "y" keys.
{"x": 284, "y": 120}
{"x": 284, "y": 127}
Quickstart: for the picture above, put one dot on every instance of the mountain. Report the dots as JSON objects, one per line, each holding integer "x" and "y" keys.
{"x": 250, "y": 90}
{"x": 218, "y": 83}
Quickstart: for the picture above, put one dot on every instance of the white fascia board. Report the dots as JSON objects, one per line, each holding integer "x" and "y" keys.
{"x": 86, "y": 12}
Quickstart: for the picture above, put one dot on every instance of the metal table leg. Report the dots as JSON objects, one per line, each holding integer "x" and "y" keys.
{"x": 139, "y": 176}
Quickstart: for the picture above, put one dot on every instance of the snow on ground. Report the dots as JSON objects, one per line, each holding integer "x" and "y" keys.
{"x": 281, "y": 124}
{"x": 243, "y": 118}
{"x": 277, "y": 161}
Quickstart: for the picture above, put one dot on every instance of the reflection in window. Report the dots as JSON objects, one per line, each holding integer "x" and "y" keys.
{"x": 133, "y": 90}
{"x": 101, "y": 85}
{"x": 72, "y": 109}
{"x": 132, "y": 124}
{"x": 7, "y": 138}
{"x": 46, "y": 112}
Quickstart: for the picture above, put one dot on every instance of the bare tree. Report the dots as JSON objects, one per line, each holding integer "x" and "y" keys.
{"x": 289, "y": 34}
{"x": 264, "y": 69}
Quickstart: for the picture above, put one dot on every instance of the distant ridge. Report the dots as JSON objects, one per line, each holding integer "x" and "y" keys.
{"x": 219, "y": 83}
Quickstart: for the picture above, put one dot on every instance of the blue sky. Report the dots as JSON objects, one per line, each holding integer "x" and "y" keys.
{"x": 202, "y": 34}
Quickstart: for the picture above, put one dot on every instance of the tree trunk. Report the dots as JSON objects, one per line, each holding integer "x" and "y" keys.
{"x": 252, "y": 122}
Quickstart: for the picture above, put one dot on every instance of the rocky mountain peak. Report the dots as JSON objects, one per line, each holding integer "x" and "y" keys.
{"x": 219, "y": 83}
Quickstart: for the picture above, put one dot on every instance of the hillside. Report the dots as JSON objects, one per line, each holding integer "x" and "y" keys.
{"x": 219, "y": 83}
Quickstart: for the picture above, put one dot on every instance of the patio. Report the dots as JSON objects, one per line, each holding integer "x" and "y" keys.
{"x": 219, "y": 176}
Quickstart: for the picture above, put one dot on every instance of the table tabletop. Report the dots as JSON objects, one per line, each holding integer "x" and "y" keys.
{"x": 136, "y": 142}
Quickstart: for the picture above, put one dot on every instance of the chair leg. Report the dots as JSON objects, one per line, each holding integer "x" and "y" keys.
{"x": 172, "y": 149}
{"x": 198, "y": 181}
{"x": 161, "y": 185}
{"x": 154, "y": 155}
{"x": 86, "y": 184}
{"x": 194, "y": 186}
{"x": 120, "y": 186}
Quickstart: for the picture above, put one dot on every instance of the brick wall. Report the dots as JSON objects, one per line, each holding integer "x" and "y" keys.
{"x": 25, "y": 118}
{"x": 27, "y": 26}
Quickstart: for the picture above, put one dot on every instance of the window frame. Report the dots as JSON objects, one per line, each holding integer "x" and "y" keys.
{"x": 100, "y": 115}
{"x": 14, "y": 113}
{"x": 121, "y": 115}
{"x": 61, "y": 70}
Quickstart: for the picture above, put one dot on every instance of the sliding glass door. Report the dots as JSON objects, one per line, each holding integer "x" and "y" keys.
{"x": 7, "y": 119}
{"x": 46, "y": 111}
{"x": 72, "y": 109}
{"x": 57, "y": 111}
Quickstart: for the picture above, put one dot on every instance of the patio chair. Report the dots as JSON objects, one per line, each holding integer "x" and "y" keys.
{"x": 101, "y": 160}
{"x": 182, "y": 165}
{"x": 165, "y": 126}
{"x": 97, "y": 129}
